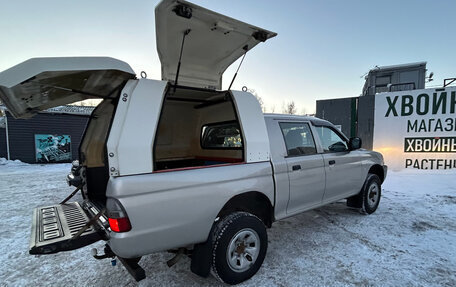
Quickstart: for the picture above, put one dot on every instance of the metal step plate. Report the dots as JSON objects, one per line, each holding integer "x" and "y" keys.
{"x": 54, "y": 226}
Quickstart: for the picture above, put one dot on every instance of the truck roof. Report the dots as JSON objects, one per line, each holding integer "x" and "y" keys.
{"x": 314, "y": 120}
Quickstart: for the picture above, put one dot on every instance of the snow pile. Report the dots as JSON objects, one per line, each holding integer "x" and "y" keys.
{"x": 409, "y": 241}
{"x": 21, "y": 168}
{"x": 4, "y": 161}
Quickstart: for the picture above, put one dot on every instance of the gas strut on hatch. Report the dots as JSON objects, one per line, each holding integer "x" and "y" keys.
{"x": 245, "y": 48}
{"x": 186, "y": 32}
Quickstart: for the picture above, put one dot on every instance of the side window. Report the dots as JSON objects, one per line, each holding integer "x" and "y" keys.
{"x": 221, "y": 136}
{"x": 330, "y": 140}
{"x": 298, "y": 139}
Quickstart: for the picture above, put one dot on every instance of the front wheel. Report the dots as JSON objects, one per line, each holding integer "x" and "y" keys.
{"x": 371, "y": 193}
{"x": 240, "y": 242}
{"x": 368, "y": 199}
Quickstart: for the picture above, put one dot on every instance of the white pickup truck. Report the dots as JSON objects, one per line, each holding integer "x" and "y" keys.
{"x": 180, "y": 164}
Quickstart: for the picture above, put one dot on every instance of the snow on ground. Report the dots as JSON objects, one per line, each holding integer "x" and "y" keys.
{"x": 409, "y": 241}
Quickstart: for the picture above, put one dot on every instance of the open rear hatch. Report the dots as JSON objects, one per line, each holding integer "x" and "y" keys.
{"x": 212, "y": 42}
{"x": 42, "y": 83}
{"x": 64, "y": 227}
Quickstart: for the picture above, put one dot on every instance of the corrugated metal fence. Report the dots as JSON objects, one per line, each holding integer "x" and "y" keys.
{"x": 3, "y": 142}
{"x": 22, "y": 133}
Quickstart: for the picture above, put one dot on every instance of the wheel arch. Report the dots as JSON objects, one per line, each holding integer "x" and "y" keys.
{"x": 253, "y": 202}
{"x": 378, "y": 170}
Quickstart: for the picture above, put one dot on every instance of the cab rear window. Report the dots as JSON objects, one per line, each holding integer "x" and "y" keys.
{"x": 221, "y": 136}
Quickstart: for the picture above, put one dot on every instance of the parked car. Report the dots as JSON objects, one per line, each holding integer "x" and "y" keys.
{"x": 180, "y": 164}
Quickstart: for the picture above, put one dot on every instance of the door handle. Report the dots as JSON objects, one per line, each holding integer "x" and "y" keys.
{"x": 331, "y": 162}
{"x": 296, "y": 167}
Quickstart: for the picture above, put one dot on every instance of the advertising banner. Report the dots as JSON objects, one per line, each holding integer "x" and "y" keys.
{"x": 417, "y": 129}
{"x": 52, "y": 148}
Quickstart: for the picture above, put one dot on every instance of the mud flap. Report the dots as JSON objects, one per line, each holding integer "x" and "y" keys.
{"x": 202, "y": 259}
{"x": 133, "y": 268}
{"x": 53, "y": 229}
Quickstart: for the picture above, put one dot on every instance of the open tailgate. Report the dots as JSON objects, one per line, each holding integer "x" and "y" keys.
{"x": 42, "y": 83}
{"x": 54, "y": 228}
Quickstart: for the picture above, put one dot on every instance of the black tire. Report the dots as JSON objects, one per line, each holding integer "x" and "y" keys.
{"x": 243, "y": 231}
{"x": 371, "y": 193}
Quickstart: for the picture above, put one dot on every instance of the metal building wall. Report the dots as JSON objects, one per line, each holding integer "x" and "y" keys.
{"x": 22, "y": 133}
{"x": 3, "y": 152}
{"x": 366, "y": 108}
{"x": 356, "y": 115}
{"x": 339, "y": 112}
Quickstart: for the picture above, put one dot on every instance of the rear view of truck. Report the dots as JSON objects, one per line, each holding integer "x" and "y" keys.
{"x": 41, "y": 83}
{"x": 154, "y": 150}
{"x": 71, "y": 225}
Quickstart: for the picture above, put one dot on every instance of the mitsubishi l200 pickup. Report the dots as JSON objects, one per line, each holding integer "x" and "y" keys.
{"x": 179, "y": 164}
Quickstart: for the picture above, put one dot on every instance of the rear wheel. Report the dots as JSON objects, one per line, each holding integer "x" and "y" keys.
{"x": 239, "y": 247}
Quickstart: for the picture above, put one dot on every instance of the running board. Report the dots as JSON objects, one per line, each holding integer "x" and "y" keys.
{"x": 53, "y": 229}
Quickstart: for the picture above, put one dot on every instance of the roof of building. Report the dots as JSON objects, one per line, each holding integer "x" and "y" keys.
{"x": 395, "y": 67}
{"x": 67, "y": 109}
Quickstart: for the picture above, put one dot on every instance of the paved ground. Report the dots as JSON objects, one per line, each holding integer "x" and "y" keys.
{"x": 409, "y": 241}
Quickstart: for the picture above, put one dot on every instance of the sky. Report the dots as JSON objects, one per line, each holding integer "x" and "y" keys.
{"x": 322, "y": 51}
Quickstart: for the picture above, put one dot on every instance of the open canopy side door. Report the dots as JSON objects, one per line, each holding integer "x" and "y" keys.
{"x": 41, "y": 83}
{"x": 213, "y": 43}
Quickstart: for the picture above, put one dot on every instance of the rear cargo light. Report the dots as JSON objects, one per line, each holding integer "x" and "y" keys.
{"x": 117, "y": 217}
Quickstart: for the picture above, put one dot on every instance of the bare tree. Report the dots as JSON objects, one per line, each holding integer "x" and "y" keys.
{"x": 289, "y": 108}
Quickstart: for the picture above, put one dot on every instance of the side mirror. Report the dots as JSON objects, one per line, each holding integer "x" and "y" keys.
{"x": 355, "y": 143}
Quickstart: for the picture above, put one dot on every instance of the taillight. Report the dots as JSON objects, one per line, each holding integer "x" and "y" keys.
{"x": 117, "y": 217}
{"x": 119, "y": 224}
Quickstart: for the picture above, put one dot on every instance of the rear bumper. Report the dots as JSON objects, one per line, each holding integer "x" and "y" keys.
{"x": 137, "y": 243}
